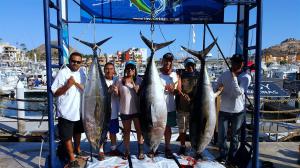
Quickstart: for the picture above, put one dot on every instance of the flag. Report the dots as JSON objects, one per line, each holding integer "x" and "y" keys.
{"x": 194, "y": 34}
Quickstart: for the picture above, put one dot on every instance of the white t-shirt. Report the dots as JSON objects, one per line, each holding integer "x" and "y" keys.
{"x": 233, "y": 94}
{"x": 170, "y": 97}
{"x": 115, "y": 101}
{"x": 68, "y": 104}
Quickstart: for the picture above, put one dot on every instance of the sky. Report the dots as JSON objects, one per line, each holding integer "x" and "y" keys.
{"x": 22, "y": 21}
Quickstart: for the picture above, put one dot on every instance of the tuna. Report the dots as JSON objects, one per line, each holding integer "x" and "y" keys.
{"x": 96, "y": 109}
{"x": 152, "y": 102}
{"x": 203, "y": 114}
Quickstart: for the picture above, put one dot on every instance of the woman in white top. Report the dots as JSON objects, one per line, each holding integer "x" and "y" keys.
{"x": 128, "y": 87}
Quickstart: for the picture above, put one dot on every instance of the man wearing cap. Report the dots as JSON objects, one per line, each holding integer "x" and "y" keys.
{"x": 170, "y": 81}
{"x": 232, "y": 111}
{"x": 188, "y": 78}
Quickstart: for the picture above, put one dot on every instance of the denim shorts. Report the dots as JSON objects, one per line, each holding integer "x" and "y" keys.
{"x": 114, "y": 126}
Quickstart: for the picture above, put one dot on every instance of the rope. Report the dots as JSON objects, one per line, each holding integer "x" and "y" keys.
{"x": 279, "y": 101}
{"x": 31, "y": 110}
{"x": 280, "y": 111}
{"x": 276, "y": 132}
{"x": 24, "y": 100}
{"x": 280, "y": 120}
{"x": 25, "y": 119}
{"x": 164, "y": 38}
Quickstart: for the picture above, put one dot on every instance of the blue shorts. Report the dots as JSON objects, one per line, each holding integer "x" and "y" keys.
{"x": 114, "y": 126}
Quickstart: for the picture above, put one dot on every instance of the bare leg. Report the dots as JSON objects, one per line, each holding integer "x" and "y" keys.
{"x": 113, "y": 139}
{"x": 127, "y": 127}
{"x": 77, "y": 138}
{"x": 167, "y": 137}
{"x": 182, "y": 139}
{"x": 137, "y": 126}
{"x": 69, "y": 147}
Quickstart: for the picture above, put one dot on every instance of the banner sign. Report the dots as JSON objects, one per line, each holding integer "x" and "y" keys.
{"x": 268, "y": 89}
{"x": 139, "y": 11}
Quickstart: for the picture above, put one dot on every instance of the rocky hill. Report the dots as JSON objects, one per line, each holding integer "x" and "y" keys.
{"x": 289, "y": 46}
{"x": 40, "y": 52}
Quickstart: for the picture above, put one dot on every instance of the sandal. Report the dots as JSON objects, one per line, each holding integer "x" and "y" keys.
{"x": 126, "y": 155}
{"x": 141, "y": 155}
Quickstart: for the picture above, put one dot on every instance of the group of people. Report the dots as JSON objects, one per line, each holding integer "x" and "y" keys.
{"x": 179, "y": 89}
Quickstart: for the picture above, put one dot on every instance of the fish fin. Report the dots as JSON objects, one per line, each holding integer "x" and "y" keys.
{"x": 93, "y": 45}
{"x": 200, "y": 54}
{"x": 156, "y": 46}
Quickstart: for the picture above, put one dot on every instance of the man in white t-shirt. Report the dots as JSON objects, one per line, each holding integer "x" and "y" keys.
{"x": 110, "y": 79}
{"x": 170, "y": 80}
{"x": 68, "y": 87}
{"x": 232, "y": 111}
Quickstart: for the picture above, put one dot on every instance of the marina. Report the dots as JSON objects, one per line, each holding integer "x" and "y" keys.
{"x": 173, "y": 32}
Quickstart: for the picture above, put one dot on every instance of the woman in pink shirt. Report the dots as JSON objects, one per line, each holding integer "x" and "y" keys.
{"x": 128, "y": 87}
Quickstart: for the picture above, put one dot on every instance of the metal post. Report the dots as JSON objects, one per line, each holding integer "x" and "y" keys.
{"x": 59, "y": 33}
{"x": 21, "y": 113}
{"x": 297, "y": 105}
{"x": 49, "y": 81}
{"x": 255, "y": 141}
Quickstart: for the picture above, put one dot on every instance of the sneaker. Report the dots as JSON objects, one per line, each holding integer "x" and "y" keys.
{"x": 101, "y": 156}
{"x": 182, "y": 150}
{"x": 115, "y": 152}
{"x": 81, "y": 155}
{"x": 168, "y": 153}
{"x": 74, "y": 164}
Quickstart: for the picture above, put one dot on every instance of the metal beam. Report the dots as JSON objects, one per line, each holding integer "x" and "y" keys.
{"x": 255, "y": 141}
{"x": 49, "y": 79}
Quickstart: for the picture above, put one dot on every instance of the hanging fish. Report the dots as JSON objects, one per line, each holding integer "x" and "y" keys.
{"x": 152, "y": 102}
{"x": 96, "y": 108}
{"x": 203, "y": 114}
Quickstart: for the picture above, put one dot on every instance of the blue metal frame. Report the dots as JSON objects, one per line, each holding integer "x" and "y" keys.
{"x": 255, "y": 141}
{"x": 248, "y": 6}
{"x": 49, "y": 75}
{"x": 47, "y": 4}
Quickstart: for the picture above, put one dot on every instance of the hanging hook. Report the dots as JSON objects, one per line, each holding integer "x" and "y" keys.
{"x": 152, "y": 20}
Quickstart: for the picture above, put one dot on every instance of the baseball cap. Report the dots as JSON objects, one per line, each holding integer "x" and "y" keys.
{"x": 238, "y": 58}
{"x": 168, "y": 56}
{"x": 130, "y": 63}
{"x": 189, "y": 60}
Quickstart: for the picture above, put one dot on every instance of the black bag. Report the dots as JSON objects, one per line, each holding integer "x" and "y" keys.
{"x": 242, "y": 156}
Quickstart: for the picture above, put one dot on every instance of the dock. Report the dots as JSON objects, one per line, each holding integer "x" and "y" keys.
{"x": 27, "y": 154}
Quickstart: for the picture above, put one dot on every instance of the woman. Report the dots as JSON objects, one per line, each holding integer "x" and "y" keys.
{"x": 128, "y": 87}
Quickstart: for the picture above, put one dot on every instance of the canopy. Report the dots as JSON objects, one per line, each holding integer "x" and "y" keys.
{"x": 139, "y": 11}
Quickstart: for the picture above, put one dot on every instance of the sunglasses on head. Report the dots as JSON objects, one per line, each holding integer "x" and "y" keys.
{"x": 130, "y": 67}
{"x": 75, "y": 62}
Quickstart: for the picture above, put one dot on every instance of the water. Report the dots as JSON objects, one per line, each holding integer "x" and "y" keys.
{"x": 41, "y": 106}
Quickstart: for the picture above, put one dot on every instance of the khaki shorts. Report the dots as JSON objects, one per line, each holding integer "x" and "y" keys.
{"x": 183, "y": 119}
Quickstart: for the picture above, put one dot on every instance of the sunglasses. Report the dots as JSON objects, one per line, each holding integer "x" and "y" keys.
{"x": 75, "y": 62}
{"x": 131, "y": 68}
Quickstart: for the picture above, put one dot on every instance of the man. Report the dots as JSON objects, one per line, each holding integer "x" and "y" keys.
{"x": 232, "y": 111}
{"x": 188, "y": 78}
{"x": 109, "y": 72}
{"x": 170, "y": 81}
{"x": 68, "y": 87}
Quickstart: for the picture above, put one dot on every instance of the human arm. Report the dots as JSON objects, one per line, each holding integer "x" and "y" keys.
{"x": 63, "y": 89}
{"x": 240, "y": 86}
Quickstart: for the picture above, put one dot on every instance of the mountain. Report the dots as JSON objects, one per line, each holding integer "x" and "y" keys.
{"x": 40, "y": 52}
{"x": 289, "y": 46}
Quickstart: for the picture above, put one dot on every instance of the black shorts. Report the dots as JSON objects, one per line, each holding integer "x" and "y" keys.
{"x": 129, "y": 116}
{"x": 67, "y": 128}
